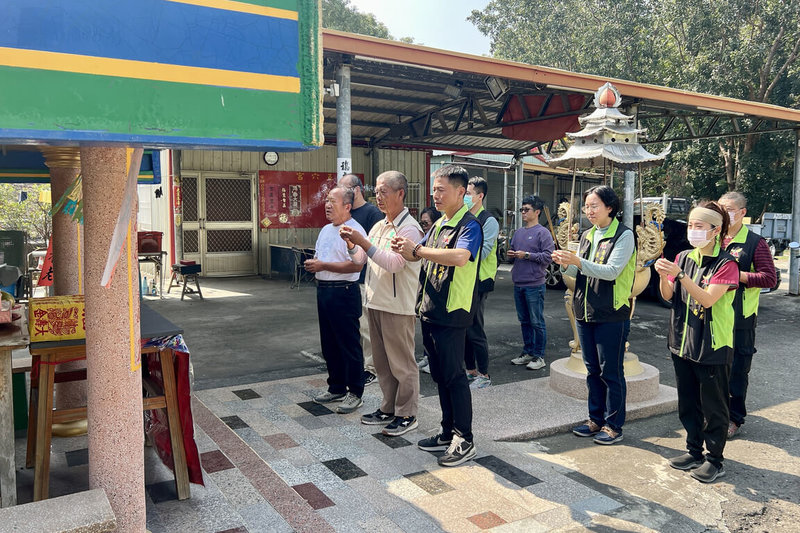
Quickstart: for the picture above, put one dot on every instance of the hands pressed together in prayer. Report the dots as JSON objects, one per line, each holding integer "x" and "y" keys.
{"x": 353, "y": 238}
{"x": 665, "y": 267}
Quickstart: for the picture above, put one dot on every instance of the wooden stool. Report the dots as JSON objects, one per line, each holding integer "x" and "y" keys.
{"x": 42, "y": 416}
{"x": 185, "y": 273}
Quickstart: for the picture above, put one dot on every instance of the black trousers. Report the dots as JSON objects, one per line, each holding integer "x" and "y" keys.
{"x": 477, "y": 347}
{"x": 445, "y": 346}
{"x": 744, "y": 346}
{"x": 338, "y": 309}
{"x": 703, "y": 406}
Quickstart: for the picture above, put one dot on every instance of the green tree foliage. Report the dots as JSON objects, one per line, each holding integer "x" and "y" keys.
{"x": 747, "y": 49}
{"x": 30, "y": 215}
{"x": 340, "y": 15}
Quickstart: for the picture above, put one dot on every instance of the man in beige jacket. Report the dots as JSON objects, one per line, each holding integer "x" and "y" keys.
{"x": 392, "y": 285}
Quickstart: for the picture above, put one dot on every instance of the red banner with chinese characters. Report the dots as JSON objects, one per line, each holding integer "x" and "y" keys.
{"x": 293, "y": 199}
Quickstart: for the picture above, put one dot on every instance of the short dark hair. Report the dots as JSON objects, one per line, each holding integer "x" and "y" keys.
{"x": 433, "y": 213}
{"x": 456, "y": 175}
{"x": 536, "y": 203}
{"x": 479, "y": 184}
{"x": 607, "y": 196}
{"x": 353, "y": 182}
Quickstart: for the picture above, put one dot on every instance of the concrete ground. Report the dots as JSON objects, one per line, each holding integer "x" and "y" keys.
{"x": 273, "y": 462}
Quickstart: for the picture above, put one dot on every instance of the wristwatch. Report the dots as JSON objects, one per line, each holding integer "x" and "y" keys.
{"x": 680, "y": 275}
{"x": 527, "y": 255}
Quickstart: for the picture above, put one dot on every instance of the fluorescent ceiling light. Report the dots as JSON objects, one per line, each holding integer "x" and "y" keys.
{"x": 720, "y": 111}
{"x": 401, "y": 64}
{"x": 570, "y": 89}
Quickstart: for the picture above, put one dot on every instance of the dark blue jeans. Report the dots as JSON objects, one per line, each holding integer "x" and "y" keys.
{"x": 530, "y": 312}
{"x": 603, "y": 346}
{"x": 338, "y": 309}
{"x": 445, "y": 347}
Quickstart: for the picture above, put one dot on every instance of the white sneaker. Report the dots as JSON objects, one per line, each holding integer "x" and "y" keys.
{"x": 350, "y": 403}
{"x": 523, "y": 359}
{"x": 536, "y": 364}
{"x": 423, "y": 362}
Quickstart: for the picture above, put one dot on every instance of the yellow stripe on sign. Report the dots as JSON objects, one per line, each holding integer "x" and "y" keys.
{"x": 242, "y": 7}
{"x": 142, "y": 70}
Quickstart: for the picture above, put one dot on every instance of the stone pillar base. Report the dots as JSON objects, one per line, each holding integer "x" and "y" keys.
{"x": 641, "y": 387}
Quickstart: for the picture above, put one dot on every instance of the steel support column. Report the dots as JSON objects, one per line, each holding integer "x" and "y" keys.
{"x": 505, "y": 200}
{"x": 518, "y": 180}
{"x": 627, "y": 201}
{"x": 343, "y": 116}
{"x": 794, "y": 260}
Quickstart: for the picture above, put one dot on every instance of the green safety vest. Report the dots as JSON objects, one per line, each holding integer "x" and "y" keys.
{"x": 696, "y": 333}
{"x": 742, "y": 247}
{"x": 448, "y": 294}
{"x": 488, "y": 269}
{"x": 598, "y": 300}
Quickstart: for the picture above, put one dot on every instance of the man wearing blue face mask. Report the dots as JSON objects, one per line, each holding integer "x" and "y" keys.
{"x": 756, "y": 272}
{"x": 476, "y": 353}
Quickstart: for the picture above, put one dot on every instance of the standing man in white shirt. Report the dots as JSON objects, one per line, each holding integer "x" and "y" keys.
{"x": 336, "y": 265}
{"x": 392, "y": 285}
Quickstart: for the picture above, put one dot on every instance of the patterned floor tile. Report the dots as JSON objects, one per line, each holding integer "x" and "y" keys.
{"x": 280, "y": 441}
{"x": 428, "y": 482}
{"x": 392, "y": 442}
{"x": 234, "y": 422}
{"x": 508, "y": 471}
{"x": 246, "y": 394}
{"x": 77, "y": 457}
{"x": 315, "y": 408}
{"x": 215, "y": 461}
{"x": 486, "y": 520}
{"x": 315, "y": 497}
{"x": 344, "y": 468}
{"x": 161, "y": 492}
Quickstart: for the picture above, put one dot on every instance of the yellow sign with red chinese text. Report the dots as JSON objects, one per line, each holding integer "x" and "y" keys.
{"x": 57, "y": 318}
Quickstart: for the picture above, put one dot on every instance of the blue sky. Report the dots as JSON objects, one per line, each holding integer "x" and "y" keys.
{"x": 436, "y": 23}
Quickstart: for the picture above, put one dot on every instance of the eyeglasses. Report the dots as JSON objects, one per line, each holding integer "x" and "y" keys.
{"x": 591, "y": 208}
{"x": 525, "y": 209}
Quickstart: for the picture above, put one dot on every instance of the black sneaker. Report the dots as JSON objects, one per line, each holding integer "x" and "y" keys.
{"x": 708, "y": 472}
{"x": 378, "y": 418}
{"x": 460, "y": 451}
{"x": 400, "y": 425}
{"x": 369, "y": 378}
{"x": 437, "y": 443}
{"x": 686, "y": 461}
{"x": 589, "y": 429}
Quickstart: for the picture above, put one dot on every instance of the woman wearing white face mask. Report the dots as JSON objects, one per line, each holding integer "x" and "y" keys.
{"x": 701, "y": 284}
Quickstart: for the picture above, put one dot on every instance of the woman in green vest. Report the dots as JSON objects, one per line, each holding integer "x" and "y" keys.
{"x": 603, "y": 270}
{"x": 701, "y": 284}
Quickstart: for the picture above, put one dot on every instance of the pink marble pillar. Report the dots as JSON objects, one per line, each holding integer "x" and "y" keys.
{"x": 65, "y": 165}
{"x": 116, "y": 451}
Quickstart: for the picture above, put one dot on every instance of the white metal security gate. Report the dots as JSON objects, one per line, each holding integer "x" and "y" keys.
{"x": 220, "y": 222}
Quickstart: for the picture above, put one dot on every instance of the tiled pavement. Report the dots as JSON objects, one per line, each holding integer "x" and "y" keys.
{"x": 274, "y": 461}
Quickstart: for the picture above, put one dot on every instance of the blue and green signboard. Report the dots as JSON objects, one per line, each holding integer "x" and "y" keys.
{"x": 236, "y": 74}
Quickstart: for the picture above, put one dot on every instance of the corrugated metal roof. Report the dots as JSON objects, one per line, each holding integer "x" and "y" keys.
{"x": 398, "y": 99}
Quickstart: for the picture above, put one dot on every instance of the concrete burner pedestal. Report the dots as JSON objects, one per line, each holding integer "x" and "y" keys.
{"x": 641, "y": 387}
